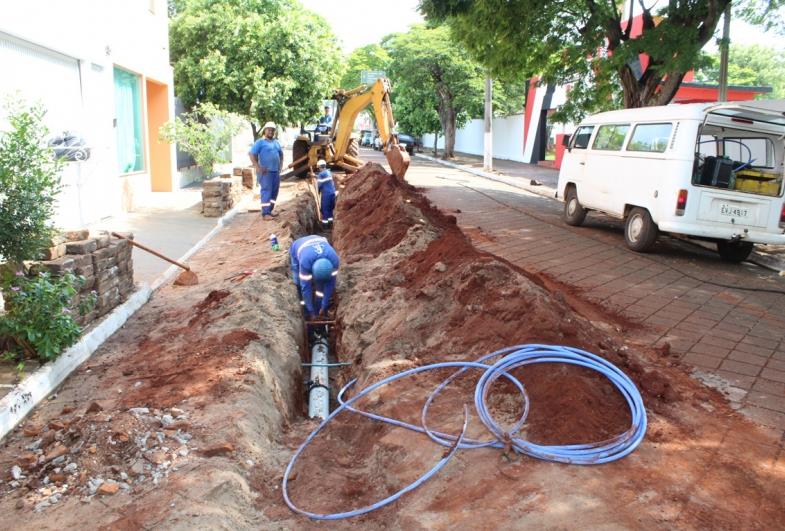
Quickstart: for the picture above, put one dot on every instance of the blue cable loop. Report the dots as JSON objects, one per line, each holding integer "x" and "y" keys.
{"x": 606, "y": 451}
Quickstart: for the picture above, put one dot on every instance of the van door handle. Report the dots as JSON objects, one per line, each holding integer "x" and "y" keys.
{"x": 582, "y": 163}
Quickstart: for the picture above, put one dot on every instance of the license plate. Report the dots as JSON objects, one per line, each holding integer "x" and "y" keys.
{"x": 732, "y": 211}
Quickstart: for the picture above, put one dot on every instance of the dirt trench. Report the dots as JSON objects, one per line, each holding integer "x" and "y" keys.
{"x": 182, "y": 417}
{"x": 415, "y": 291}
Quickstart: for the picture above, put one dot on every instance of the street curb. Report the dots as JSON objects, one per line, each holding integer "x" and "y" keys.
{"x": 542, "y": 190}
{"x": 15, "y": 406}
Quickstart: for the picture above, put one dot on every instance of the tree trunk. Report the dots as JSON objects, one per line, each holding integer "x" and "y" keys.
{"x": 449, "y": 134}
{"x": 436, "y": 144}
{"x": 256, "y": 132}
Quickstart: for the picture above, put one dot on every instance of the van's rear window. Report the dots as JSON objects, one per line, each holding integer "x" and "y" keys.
{"x": 610, "y": 137}
{"x": 652, "y": 138}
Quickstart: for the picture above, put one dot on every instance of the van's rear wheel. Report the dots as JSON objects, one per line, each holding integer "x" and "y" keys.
{"x": 640, "y": 232}
{"x": 574, "y": 213}
{"x": 734, "y": 252}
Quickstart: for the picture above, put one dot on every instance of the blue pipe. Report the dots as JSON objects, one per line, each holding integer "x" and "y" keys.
{"x": 511, "y": 358}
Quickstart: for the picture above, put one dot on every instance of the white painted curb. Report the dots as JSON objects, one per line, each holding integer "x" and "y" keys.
{"x": 25, "y": 396}
{"x": 544, "y": 191}
{"x": 15, "y": 406}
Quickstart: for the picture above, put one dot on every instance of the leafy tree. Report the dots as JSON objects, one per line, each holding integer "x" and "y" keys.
{"x": 370, "y": 57}
{"x": 429, "y": 70}
{"x": 262, "y": 59}
{"x": 29, "y": 184}
{"x": 205, "y": 133}
{"x": 588, "y": 43}
{"x": 748, "y": 65}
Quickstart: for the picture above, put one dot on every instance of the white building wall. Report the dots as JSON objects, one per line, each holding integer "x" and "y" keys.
{"x": 95, "y": 35}
{"x": 507, "y": 138}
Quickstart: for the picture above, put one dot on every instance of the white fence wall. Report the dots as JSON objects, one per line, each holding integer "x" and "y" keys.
{"x": 507, "y": 138}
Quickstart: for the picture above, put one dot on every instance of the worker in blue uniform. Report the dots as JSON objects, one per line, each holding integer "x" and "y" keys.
{"x": 267, "y": 158}
{"x": 324, "y": 181}
{"x": 314, "y": 266}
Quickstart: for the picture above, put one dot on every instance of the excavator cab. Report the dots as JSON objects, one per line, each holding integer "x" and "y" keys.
{"x": 336, "y": 144}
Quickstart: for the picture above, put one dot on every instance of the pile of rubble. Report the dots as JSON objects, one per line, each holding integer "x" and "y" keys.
{"x": 105, "y": 263}
{"x": 71, "y": 456}
{"x": 219, "y": 195}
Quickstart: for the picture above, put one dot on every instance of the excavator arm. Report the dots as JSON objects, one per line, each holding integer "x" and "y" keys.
{"x": 350, "y": 104}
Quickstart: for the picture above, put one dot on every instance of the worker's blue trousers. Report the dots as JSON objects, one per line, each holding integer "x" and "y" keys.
{"x": 327, "y": 207}
{"x": 269, "y": 183}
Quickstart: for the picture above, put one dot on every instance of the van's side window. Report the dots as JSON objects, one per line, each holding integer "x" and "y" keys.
{"x": 610, "y": 137}
{"x": 582, "y": 136}
{"x": 652, "y": 138}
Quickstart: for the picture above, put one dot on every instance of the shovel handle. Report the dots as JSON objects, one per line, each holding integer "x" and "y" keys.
{"x": 151, "y": 251}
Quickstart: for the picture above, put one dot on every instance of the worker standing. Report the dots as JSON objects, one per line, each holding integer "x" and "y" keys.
{"x": 267, "y": 158}
{"x": 314, "y": 266}
{"x": 324, "y": 181}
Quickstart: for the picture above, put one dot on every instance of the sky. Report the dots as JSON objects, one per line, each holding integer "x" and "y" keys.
{"x": 361, "y": 22}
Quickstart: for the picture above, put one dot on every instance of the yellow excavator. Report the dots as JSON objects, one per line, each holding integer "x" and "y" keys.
{"x": 335, "y": 144}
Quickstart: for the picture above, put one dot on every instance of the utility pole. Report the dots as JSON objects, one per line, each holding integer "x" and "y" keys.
{"x": 487, "y": 160}
{"x": 724, "y": 49}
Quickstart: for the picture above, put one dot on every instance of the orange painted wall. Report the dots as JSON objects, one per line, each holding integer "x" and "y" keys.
{"x": 160, "y": 152}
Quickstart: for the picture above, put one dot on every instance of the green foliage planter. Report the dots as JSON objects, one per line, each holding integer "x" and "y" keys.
{"x": 29, "y": 184}
{"x": 39, "y": 320}
{"x": 205, "y": 134}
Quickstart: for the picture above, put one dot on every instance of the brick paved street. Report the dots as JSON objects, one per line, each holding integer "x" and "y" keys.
{"x": 734, "y": 334}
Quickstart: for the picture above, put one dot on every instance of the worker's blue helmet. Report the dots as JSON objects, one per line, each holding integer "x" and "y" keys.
{"x": 322, "y": 270}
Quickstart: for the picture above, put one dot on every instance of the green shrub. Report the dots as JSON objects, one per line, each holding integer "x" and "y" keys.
{"x": 29, "y": 184}
{"x": 204, "y": 133}
{"x": 39, "y": 322}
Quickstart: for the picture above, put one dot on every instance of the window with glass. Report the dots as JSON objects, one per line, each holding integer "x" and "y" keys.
{"x": 582, "y": 136}
{"x": 128, "y": 121}
{"x": 610, "y": 137}
{"x": 651, "y": 138}
{"x": 758, "y": 152}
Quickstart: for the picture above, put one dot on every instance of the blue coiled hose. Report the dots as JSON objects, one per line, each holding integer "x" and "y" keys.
{"x": 509, "y": 358}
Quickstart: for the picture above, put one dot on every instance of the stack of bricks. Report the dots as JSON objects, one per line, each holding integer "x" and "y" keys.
{"x": 220, "y": 194}
{"x": 103, "y": 261}
{"x": 249, "y": 181}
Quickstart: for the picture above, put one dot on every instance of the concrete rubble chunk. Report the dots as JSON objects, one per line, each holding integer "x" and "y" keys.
{"x": 76, "y": 235}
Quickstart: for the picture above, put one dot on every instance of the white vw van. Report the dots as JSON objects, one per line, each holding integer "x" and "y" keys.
{"x": 712, "y": 171}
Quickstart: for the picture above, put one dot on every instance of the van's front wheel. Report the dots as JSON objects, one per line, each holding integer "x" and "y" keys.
{"x": 640, "y": 232}
{"x": 574, "y": 213}
{"x": 734, "y": 252}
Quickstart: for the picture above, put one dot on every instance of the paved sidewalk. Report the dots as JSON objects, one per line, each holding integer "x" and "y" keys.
{"x": 735, "y": 338}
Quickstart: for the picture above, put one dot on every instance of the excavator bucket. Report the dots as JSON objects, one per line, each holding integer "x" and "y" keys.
{"x": 398, "y": 159}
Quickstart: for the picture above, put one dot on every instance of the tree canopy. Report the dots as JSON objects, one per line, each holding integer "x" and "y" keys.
{"x": 589, "y": 44}
{"x": 748, "y": 65}
{"x": 261, "y": 59}
{"x": 370, "y": 57}
{"x": 432, "y": 73}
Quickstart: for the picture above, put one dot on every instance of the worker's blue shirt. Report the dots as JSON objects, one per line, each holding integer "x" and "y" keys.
{"x": 326, "y": 119}
{"x": 325, "y": 182}
{"x": 269, "y": 153}
{"x": 303, "y": 253}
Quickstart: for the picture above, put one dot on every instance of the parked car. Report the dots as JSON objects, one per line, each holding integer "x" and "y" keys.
{"x": 366, "y": 139}
{"x": 708, "y": 171}
{"x": 408, "y": 141}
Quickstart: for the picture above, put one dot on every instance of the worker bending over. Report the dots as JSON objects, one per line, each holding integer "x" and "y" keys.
{"x": 314, "y": 270}
{"x": 326, "y": 191}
